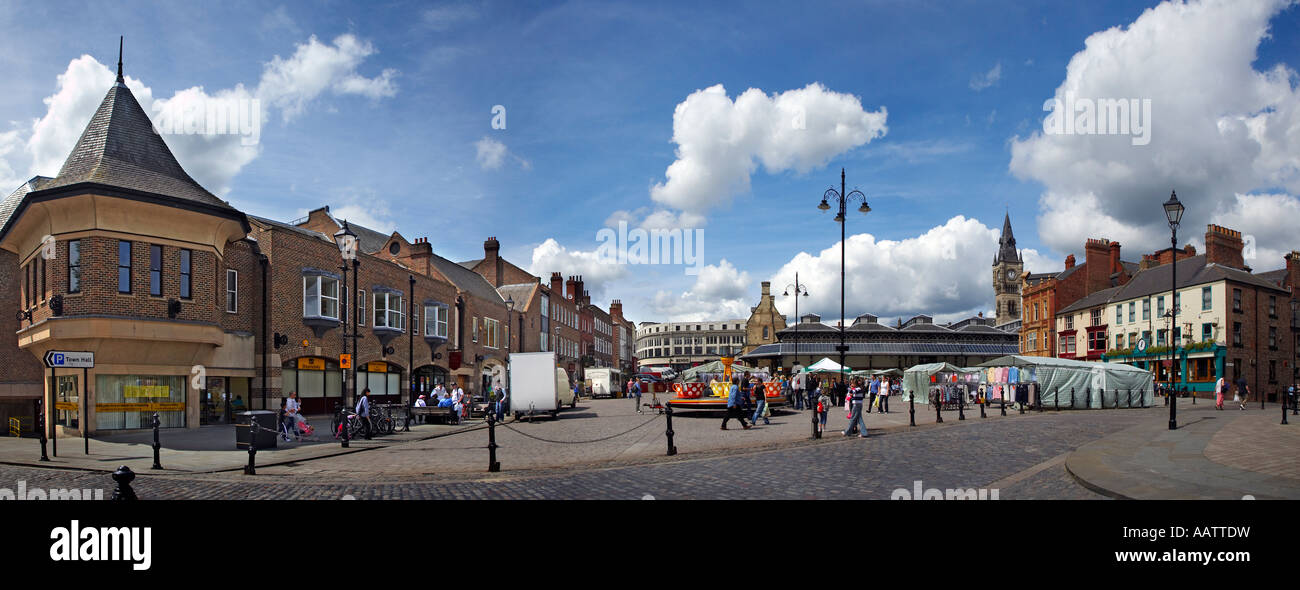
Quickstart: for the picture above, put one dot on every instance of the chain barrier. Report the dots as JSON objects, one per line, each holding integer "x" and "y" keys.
{"x": 581, "y": 442}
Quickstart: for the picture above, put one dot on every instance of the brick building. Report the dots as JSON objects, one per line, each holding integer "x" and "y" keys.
{"x": 1231, "y": 322}
{"x": 1043, "y": 294}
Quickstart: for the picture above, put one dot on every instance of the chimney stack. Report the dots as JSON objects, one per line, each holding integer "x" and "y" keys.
{"x": 557, "y": 286}
{"x": 1096, "y": 260}
{"x": 569, "y": 291}
{"x": 1224, "y": 246}
{"x": 1069, "y": 262}
{"x": 492, "y": 256}
{"x": 1115, "y": 265}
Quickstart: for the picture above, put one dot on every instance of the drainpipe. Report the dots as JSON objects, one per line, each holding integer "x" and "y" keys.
{"x": 266, "y": 326}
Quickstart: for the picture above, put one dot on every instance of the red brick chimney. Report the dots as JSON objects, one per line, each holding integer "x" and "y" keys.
{"x": 492, "y": 256}
{"x": 616, "y": 310}
{"x": 1223, "y": 246}
{"x": 1096, "y": 260}
{"x": 1069, "y": 262}
{"x": 1293, "y": 271}
{"x": 1115, "y": 265}
{"x": 569, "y": 288}
{"x": 557, "y": 286}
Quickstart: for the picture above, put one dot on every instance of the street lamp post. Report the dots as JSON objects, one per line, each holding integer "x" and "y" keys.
{"x": 800, "y": 289}
{"x": 347, "y": 243}
{"x": 843, "y": 198}
{"x": 1174, "y": 215}
{"x": 1295, "y": 399}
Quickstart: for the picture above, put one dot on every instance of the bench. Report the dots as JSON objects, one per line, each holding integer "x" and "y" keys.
{"x": 444, "y": 415}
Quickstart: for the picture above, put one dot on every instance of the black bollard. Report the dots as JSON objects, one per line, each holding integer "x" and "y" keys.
{"x": 1039, "y": 405}
{"x": 157, "y": 446}
{"x": 1284, "y": 411}
{"x": 961, "y": 405}
{"x": 938, "y": 409}
{"x": 1003, "y": 398}
{"x": 493, "y": 465}
{"x": 911, "y": 408}
{"x": 123, "y": 476}
{"x": 343, "y": 419}
{"x": 40, "y": 425}
{"x": 251, "y": 468}
{"x": 1071, "y": 398}
{"x": 1056, "y": 400}
{"x": 668, "y": 412}
{"x": 1295, "y": 406}
{"x": 812, "y": 409}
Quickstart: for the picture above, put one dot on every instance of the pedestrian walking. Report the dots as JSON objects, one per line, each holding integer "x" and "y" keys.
{"x": 363, "y": 411}
{"x": 734, "y": 409}
{"x": 760, "y": 403}
{"x": 856, "y": 396}
{"x": 885, "y": 392}
{"x": 1218, "y": 393}
{"x": 636, "y": 395}
{"x": 874, "y": 389}
{"x": 796, "y": 391}
{"x": 1243, "y": 392}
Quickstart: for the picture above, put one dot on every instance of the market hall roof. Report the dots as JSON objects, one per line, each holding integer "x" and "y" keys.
{"x": 886, "y": 348}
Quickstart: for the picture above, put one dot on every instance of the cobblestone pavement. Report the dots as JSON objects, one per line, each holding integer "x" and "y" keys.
{"x": 1023, "y": 454}
{"x": 1271, "y": 448}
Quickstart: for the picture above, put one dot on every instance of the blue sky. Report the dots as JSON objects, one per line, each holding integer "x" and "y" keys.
{"x": 590, "y": 91}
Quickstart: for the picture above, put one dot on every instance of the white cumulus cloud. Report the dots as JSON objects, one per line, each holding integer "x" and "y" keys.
{"x": 719, "y": 292}
{"x": 1219, "y": 130}
{"x": 213, "y": 159}
{"x": 721, "y": 142}
{"x": 550, "y": 256}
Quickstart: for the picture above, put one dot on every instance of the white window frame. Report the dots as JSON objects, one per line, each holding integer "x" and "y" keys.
{"x": 492, "y": 327}
{"x": 361, "y": 307}
{"x": 314, "y": 308}
{"x": 393, "y": 310}
{"x": 437, "y": 312}
{"x": 232, "y": 292}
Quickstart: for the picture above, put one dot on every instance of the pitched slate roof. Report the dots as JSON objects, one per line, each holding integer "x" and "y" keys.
{"x": 522, "y": 293}
{"x": 466, "y": 279}
{"x": 120, "y": 148}
{"x": 10, "y": 203}
{"x": 1092, "y": 300}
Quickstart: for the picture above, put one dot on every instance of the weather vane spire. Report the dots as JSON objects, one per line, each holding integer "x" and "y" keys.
{"x": 119, "y": 60}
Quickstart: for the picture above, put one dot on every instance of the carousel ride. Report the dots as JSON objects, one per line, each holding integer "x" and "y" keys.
{"x": 706, "y": 387}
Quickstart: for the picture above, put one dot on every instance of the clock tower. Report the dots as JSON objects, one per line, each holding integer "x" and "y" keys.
{"x": 1007, "y": 266}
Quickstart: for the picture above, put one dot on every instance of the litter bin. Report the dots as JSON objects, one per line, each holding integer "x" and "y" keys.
{"x": 266, "y": 438}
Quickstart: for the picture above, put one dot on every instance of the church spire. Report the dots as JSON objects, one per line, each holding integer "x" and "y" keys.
{"x": 119, "y": 60}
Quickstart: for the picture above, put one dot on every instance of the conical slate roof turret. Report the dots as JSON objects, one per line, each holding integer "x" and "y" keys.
{"x": 1007, "y": 243}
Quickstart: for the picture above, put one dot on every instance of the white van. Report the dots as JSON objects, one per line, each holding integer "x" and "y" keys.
{"x": 605, "y": 382}
{"x": 537, "y": 385}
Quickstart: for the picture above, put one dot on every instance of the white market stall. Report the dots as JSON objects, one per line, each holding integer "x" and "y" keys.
{"x": 1069, "y": 383}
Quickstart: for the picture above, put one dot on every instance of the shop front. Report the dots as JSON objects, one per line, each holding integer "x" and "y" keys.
{"x": 384, "y": 380}
{"x": 223, "y": 399}
{"x": 318, "y": 382}
{"x": 128, "y": 402}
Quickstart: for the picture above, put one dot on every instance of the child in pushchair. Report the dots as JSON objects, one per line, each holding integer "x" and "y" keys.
{"x": 295, "y": 427}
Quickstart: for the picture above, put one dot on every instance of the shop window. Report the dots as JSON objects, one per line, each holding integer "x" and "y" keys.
{"x": 129, "y": 401}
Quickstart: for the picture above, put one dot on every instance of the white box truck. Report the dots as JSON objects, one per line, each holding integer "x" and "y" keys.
{"x": 537, "y": 385}
{"x": 605, "y": 382}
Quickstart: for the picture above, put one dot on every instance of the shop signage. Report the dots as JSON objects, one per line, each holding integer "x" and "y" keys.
{"x": 62, "y": 359}
{"x": 154, "y": 407}
{"x": 377, "y": 367}
{"x": 311, "y": 364}
{"x": 146, "y": 391}
{"x": 345, "y": 361}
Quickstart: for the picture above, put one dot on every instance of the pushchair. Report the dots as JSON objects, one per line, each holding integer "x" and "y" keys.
{"x": 295, "y": 428}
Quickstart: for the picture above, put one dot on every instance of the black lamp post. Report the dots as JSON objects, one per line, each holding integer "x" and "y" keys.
{"x": 800, "y": 289}
{"x": 347, "y": 243}
{"x": 843, "y": 198}
{"x": 510, "y": 308}
{"x": 1174, "y": 215}
{"x": 1295, "y": 399}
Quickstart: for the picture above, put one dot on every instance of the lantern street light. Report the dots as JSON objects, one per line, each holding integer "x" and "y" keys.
{"x": 1174, "y": 215}
{"x": 843, "y": 198}
{"x": 799, "y": 289}
{"x": 346, "y": 240}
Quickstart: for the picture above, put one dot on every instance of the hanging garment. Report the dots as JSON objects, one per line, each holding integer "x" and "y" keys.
{"x": 1013, "y": 375}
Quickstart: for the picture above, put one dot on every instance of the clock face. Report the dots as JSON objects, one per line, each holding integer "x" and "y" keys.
{"x": 1011, "y": 275}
